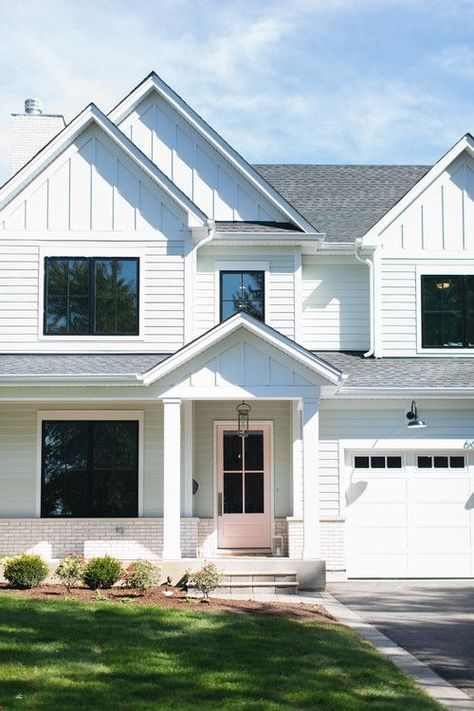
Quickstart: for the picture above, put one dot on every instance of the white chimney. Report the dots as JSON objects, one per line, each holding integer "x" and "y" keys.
{"x": 31, "y": 131}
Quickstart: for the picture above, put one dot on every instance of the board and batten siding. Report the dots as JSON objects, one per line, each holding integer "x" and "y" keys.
{"x": 335, "y": 303}
{"x": 93, "y": 186}
{"x": 441, "y": 218}
{"x": 194, "y": 165}
{"x": 279, "y": 287}
{"x": 18, "y": 432}
{"x": 399, "y": 313}
{"x": 21, "y": 289}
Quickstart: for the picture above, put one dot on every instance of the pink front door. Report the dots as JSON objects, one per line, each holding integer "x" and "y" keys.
{"x": 243, "y": 487}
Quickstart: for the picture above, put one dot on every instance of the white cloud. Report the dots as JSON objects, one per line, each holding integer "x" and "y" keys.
{"x": 456, "y": 59}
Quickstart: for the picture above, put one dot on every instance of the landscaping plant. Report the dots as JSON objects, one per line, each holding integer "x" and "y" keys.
{"x": 141, "y": 575}
{"x": 25, "y": 570}
{"x": 206, "y": 579}
{"x": 101, "y": 573}
{"x": 70, "y": 570}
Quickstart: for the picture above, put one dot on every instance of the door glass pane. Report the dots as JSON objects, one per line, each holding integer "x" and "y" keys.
{"x": 377, "y": 462}
{"x": 114, "y": 469}
{"x": 232, "y": 452}
{"x": 254, "y": 451}
{"x": 424, "y": 462}
{"x": 394, "y": 462}
{"x": 440, "y": 462}
{"x": 64, "y": 471}
{"x": 233, "y": 503}
{"x": 254, "y": 492}
{"x": 456, "y": 462}
{"x": 361, "y": 462}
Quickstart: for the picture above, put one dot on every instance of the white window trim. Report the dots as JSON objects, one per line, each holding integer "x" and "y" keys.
{"x": 240, "y": 266}
{"x": 88, "y": 252}
{"x": 439, "y": 269}
{"x": 118, "y": 415}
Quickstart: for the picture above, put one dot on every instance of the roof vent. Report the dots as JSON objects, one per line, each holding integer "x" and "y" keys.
{"x": 33, "y": 107}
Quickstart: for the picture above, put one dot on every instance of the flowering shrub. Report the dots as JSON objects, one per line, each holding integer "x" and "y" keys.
{"x": 141, "y": 575}
{"x": 206, "y": 579}
{"x": 101, "y": 572}
{"x": 71, "y": 569}
{"x": 25, "y": 570}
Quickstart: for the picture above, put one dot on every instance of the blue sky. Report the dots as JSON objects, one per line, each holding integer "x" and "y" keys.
{"x": 339, "y": 81}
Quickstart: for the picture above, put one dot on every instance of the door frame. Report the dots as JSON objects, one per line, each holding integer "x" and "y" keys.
{"x": 233, "y": 423}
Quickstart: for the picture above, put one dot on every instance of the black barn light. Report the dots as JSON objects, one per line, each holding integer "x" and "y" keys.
{"x": 413, "y": 419}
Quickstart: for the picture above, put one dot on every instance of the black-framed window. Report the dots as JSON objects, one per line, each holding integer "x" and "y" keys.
{"x": 91, "y": 296}
{"x": 242, "y": 291}
{"x": 89, "y": 468}
{"x": 447, "y": 304}
{"x": 441, "y": 461}
{"x": 378, "y": 462}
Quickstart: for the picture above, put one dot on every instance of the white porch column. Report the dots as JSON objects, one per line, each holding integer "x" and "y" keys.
{"x": 171, "y": 479}
{"x": 297, "y": 460}
{"x": 311, "y": 535}
{"x": 188, "y": 449}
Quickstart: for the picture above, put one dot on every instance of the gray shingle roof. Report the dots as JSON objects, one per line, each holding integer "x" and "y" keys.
{"x": 256, "y": 227}
{"x": 344, "y": 201}
{"x": 414, "y": 373}
{"x": 80, "y": 364}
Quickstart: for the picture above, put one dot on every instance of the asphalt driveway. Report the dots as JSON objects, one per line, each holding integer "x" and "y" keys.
{"x": 433, "y": 620}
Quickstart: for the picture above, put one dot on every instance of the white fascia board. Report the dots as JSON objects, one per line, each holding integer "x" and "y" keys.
{"x": 308, "y": 241}
{"x": 466, "y": 143}
{"x": 407, "y": 392}
{"x": 154, "y": 82}
{"x": 261, "y": 330}
{"x": 92, "y": 114}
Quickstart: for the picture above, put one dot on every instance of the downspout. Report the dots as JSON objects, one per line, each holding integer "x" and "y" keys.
{"x": 369, "y": 263}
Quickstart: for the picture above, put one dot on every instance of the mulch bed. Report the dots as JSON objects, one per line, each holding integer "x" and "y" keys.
{"x": 179, "y": 599}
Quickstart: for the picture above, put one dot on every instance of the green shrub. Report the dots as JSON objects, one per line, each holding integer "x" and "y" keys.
{"x": 101, "y": 572}
{"x": 70, "y": 570}
{"x": 206, "y": 579}
{"x": 141, "y": 575}
{"x": 25, "y": 570}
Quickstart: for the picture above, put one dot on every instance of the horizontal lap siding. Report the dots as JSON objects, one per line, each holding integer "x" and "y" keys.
{"x": 18, "y": 457}
{"x": 279, "y": 287}
{"x": 205, "y": 414}
{"x": 398, "y": 307}
{"x": 19, "y": 294}
{"x": 162, "y": 306}
{"x": 335, "y": 298}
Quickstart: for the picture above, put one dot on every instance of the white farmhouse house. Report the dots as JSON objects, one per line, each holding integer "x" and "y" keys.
{"x": 201, "y": 358}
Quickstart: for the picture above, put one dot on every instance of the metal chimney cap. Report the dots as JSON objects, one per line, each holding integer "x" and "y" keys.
{"x": 33, "y": 107}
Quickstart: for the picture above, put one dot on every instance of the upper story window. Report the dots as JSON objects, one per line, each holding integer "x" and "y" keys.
{"x": 242, "y": 291}
{"x": 447, "y": 304}
{"x": 91, "y": 296}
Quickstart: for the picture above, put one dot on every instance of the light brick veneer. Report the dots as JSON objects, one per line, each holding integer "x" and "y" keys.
{"x": 295, "y": 537}
{"x": 281, "y": 529}
{"x": 126, "y": 539}
{"x": 333, "y": 546}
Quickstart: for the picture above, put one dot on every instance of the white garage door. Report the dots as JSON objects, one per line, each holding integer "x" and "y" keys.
{"x": 410, "y": 516}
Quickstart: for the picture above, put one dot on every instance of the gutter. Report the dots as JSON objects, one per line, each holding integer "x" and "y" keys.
{"x": 369, "y": 263}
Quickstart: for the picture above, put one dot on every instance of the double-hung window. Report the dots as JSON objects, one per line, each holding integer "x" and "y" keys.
{"x": 91, "y": 296}
{"x": 89, "y": 468}
{"x": 242, "y": 291}
{"x": 447, "y": 304}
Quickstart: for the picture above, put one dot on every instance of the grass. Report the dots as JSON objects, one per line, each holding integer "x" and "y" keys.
{"x": 68, "y": 655}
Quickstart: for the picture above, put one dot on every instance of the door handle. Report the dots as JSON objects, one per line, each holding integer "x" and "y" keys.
{"x": 219, "y": 504}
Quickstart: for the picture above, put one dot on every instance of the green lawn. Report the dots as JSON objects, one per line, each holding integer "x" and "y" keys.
{"x": 68, "y": 655}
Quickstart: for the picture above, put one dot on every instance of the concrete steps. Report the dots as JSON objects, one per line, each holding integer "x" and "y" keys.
{"x": 255, "y": 581}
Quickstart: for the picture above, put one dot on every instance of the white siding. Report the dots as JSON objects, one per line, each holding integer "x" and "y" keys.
{"x": 377, "y": 420}
{"x": 93, "y": 186}
{"x": 194, "y": 165}
{"x": 18, "y": 473}
{"x": 398, "y": 297}
{"x": 335, "y": 296}
{"x": 441, "y": 218}
{"x": 162, "y": 306}
{"x": 205, "y": 414}
{"x": 279, "y": 287}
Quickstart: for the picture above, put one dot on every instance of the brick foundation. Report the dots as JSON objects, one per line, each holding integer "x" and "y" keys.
{"x": 333, "y": 543}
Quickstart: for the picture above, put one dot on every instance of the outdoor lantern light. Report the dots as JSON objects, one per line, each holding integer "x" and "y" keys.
{"x": 243, "y": 419}
{"x": 412, "y": 417}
